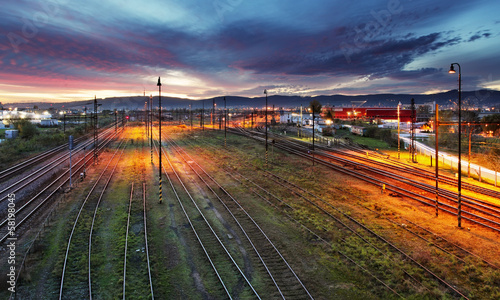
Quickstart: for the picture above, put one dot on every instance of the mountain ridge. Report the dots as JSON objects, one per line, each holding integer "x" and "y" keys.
{"x": 478, "y": 99}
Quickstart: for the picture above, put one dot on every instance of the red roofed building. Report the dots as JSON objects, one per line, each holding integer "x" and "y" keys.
{"x": 368, "y": 113}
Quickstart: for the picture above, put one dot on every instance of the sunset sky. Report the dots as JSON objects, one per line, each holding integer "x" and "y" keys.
{"x": 59, "y": 50}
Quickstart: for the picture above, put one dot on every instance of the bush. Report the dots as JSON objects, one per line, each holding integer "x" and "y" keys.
{"x": 382, "y": 134}
{"x": 27, "y": 130}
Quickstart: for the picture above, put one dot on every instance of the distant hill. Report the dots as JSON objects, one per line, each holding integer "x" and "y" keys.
{"x": 481, "y": 98}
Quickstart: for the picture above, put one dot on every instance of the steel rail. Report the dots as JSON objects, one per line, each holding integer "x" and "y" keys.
{"x": 237, "y": 222}
{"x": 126, "y": 240}
{"x": 95, "y": 214}
{"x": 205, "y": 251}
{"x": 78, "y": 217}
{"x": 394, "y": 188}
{"x": 59, "y": 161}
{"x": 146, "y": 239}
{"x": 210, "y": 227}
{"x": 29, "y": 202}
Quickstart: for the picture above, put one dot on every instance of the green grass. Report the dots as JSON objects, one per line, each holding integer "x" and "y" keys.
{"x": 243, "y": 155}
{"x": 370, "y": 142}
{"x": 176, "y": 257}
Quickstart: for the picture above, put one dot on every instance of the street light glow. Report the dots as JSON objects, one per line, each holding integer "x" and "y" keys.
{"x": 452, "y": 70}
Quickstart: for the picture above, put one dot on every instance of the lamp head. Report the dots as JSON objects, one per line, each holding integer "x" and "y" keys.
{"x": 452, "y": 69}
{"x": 159, "y": 82}
{"x": 265, "y": 91}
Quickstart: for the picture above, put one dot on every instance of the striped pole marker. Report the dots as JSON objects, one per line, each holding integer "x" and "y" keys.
{"x": 161, "y": 194}
{"x": 266, "y": 158}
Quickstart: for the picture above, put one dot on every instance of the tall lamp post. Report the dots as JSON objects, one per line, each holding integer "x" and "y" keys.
{"x": 468, "y": 166}
{"x": 190, "y": 116}
{"x": 452, "y": 71}
{"x": 160, "y": 199}
{"x": 265, "y": 92}
{"x": 225, "y": 123}
{"x": 212, "y": 115}
{"x": 436, "y": 132}
{"x": 313, "y": 131}
{"x": 151, "y": 126}
{"x": 399, "y": 145}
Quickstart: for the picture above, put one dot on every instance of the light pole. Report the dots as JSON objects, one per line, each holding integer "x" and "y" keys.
{"x": 399, "y": 145}
{"x": 436, "y": 132}
{"x": 85, "y": 114}
{"x": 452, "y": 71}
{"x": 212, "y": 115}
{"x": 96, "y": 137}
{"x": 225, "y": 123}
{"x": 146, "y": 118}
{"x": 190, "y": 117}
{"x": 160, "y": 199}
{"x": 265, "y": 92}
{"x": 313, "y": 131}
{"x": 151, "y": 126}
{"x": 468, "y": 167}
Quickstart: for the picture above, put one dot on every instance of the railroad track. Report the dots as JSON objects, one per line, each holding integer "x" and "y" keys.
{"x": 402, "y": 168}
{"x": 27, "y": 208}
{"x": 281, "y": 275}
{"x": 388, "y": 164}
{"x": 233, "y": 281}
{"x": 52, "y": 166}
{"x": 80, "y": 143}
{"x": 11, "y": 171}
{"x": 326, "y": 208}
{"x": 336, "y": 214}
{"x": 486, "y": 214}
{"x": 78, "y": 254}
{"x": 430, "y": 237}
{"x": 136, "y": 258}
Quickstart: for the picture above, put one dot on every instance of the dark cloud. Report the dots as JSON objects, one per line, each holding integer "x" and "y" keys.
{"x": 479, "y": 35}
{"x": 291, "y": 45}
{"x": 377, "y": 59}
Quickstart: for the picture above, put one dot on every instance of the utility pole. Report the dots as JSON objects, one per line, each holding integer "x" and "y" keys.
{"x": 212, "y": 115}
{"x": 399, "y": 143}
{"x": 95, "y": 130}
{"x": 160, "y": 199}
{"x": 468, "y": 167}
{"x": 85, "y": 114}
{"x": 301, "y": 121}
{"x": 225, "y": 123}
{"x": 313, "y": 131}
{"x": 252, "y": 119}
{"x": 151, "y": 126}
{"x": 265, "y": 92}
{"x": 203, "y": 115}
{"x": 436, "y": 127}
{"x": 412, "y": 131}
{"x": 70, "y": 144}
